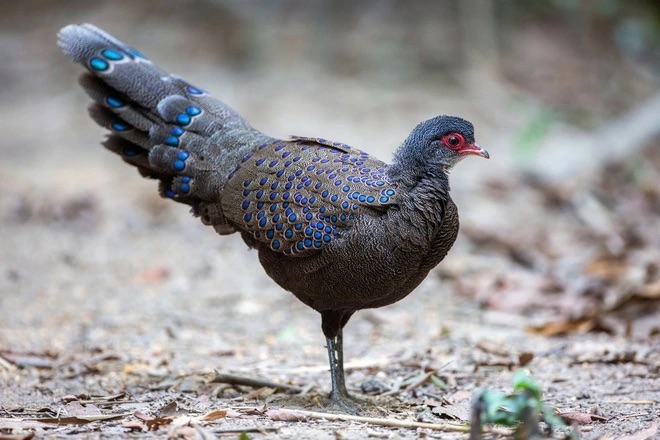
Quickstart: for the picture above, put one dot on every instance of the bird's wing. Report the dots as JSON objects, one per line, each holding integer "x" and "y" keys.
{"x": 298, "y": 196}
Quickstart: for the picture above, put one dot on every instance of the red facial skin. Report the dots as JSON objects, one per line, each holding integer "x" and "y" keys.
{"x": 457, "y": 142}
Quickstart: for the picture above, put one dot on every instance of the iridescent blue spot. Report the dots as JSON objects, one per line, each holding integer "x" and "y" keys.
{"x": 319, "y": 172}
{"x": 296, "y": 159}
{"x": 246, "y": 158}
{"x": 380, "y": 183}
{"x": 247, "y": 217}
{"x": 328, "y": 229}
{"x": 308, "y": 242}
{"x": 305, "y": 209}
{"x": 308, "y": 183}
{"x": 305, "y": 148}
{"x": 273, "y": 207}
{"x": 286, "y": 195}
{"x": 114, "y": 102}
{"x": 298, "y": 226}
{"x": 182, "y": 155}
{"x": 362, "y": 198}
{"x": 279, "y": 226}
{"x": 186, "y": 179}
{"x": 182, "y": 119}
{"x": 293, "y": 218}
{"x": 354, "y": 195}
{"x": 261, "y": 214}
{"x": 272, "y": 196}
{"x": 120, "y": 126}
{"x": 325, "y": 193}
{"x": 287, "y": 163}
{"x": 300, "y": 186}
{"x": 309, "y": 216}
{"x": 169, "y": 193}
{"x": 272, "y": 163}
{"x": 318, "y": 244}
{"x": 342, "y": 217}
{"x": 288, "y": 185}
{"x": 318, "y": 235}
{"x": 246, "y": 204}
{"x": 322, "y": 209}
{"x": 309, "y": 231}
{"x": 312, "y": 199}
{"x": 334, "y": 198}
{"x": 247, "y": 183}
{"x": 136, "y": 53}
{"x": 298, "y": 197}
{"x": 389, "y": 192}
{"x": 276, "y": 218}
{"x": 344, "y": 205}
{"x": 337, "y": 182}
{"x": 291, "y": 178}
{"x": 320, "y": 226}
{"x": 300, "y": 246}
{"x": 270, "y": 233}
{"x": 303, "y": 201}
{"x": 371, "y": 199}
{"x": 299, "y": 173}
{"x": 177, "y": 131}
{"x": 193, "y": 110}
{"x": 311, "y": 168}
{"x": 263, "y": 222}
{"x": 112, "y": 55}
{"x": 262, "y": 146}
{"x": 263, "y": 181}
{"x": 172, "y": 141}
{"x": 179, "y": 165}
{"x": 260, "y": 161}
{"x": 288, "y": 233}
{"x": 285, "y": 205}
{"x": 351, "y": 217}
{"x": 325, "y": 160}
{"x": 332, "y": 176}
{"x": 260, "y": 205}
{"x": 184, "y": 188}
{"x": 246, "y": 192}
{"x": 304, "y": 179}
{"x": 98, "y": 64}
{"x": 257, "y": 234}
{"x": 355, "y": 206}
{"x": 333, "y": 219}
{"x": 288, "y": 212}
{"x": 194, "y": 90}
{"x": 327, "y": 238}
{"x": 275, "y": 244}
{"x": 280, "y": 173}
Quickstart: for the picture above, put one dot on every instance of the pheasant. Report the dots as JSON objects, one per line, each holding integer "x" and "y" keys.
{"x": 340, "y": 229}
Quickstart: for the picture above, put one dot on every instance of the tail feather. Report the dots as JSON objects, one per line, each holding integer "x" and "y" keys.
{"x": 164, "y": 126}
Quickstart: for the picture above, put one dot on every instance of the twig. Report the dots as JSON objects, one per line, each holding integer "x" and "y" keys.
{"x": 251, "y": 382}
{"x": 448, "y": 427}
{"x": 631, "y": 402}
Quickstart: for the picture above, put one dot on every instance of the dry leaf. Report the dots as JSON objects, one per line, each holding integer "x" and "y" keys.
{"x": 286, "y": 415}
{"x": 153, "y": 423}
{"x": 214, "y": 415}
{"x": 569, "y": 326}
{"x": 581, "y": 418}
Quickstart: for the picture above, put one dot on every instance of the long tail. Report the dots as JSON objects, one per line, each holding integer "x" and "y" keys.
{"x": 167, "y": 128}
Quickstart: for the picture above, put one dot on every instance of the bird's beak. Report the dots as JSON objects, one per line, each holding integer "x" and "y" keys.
{"x": 475, "y": 150}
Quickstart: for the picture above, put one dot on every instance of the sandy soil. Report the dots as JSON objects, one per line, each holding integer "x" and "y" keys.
{"x": 115, "y": 299}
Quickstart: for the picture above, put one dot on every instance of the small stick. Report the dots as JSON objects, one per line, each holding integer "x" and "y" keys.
{"x": 631, "y": 402}
{"x": 255, "y": 383}
{"x": 448, "y": 427}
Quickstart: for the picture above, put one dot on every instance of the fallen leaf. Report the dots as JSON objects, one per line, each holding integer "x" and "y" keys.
{"x": 569, "y": 326}
{"x": 153, "y": 423}
{"x": 286, "y": 415}
{"x": 133, "y": 426}
{"x": 525, "y": 358}
{"x": 581, "y": 417}
{"x": 214, "y": 415}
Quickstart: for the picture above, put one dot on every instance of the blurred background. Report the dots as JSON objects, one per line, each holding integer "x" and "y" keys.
{"x": 560, "y": 226}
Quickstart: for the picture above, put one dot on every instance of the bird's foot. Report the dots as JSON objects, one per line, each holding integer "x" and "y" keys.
{"x": 347, "y": 404}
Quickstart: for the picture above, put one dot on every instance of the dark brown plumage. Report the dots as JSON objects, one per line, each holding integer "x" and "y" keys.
{"x": 340, "y": 229}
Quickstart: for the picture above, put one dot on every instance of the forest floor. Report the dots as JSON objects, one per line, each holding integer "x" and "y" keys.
{"x": 119, "y": 312}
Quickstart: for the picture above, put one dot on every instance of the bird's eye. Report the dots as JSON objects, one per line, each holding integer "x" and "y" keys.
{"x": 453, "y": 140}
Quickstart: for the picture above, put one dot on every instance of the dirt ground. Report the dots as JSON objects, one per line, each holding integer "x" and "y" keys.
{"x": 118, "y": 309}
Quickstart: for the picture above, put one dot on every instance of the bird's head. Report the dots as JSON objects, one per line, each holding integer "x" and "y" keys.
{"x": 440, "y": 142}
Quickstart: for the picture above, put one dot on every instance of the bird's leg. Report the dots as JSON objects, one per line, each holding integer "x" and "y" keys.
{"x": 339, "y": 396}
